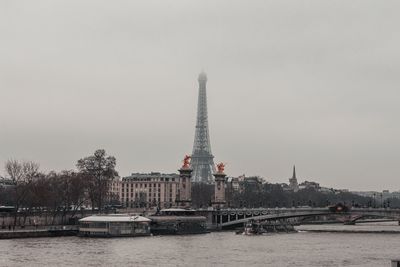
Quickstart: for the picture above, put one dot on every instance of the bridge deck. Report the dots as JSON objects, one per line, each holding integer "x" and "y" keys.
{"x": 276, "y": 214}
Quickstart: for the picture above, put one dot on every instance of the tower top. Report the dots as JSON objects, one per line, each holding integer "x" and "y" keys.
{"x": 202, "y": 76}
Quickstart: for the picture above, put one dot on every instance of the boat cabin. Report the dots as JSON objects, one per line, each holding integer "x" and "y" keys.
{"x": 114, "y": 225}
{"x": 178, "y": 221}
{"x": 176, "y": 212}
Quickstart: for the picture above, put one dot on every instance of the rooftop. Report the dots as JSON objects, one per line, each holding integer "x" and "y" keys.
{"x": 149, "y": 176}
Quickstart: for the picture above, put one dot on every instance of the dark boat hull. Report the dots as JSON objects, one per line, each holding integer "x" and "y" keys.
{"x": 178, "y": 225}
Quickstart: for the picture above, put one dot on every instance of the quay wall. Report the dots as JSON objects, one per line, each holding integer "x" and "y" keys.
{"x": 37, "y": 233}
{"x": 41, "y": 219}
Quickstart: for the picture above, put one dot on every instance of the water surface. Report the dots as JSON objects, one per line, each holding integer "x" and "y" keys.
{"x": 214, "y": 249}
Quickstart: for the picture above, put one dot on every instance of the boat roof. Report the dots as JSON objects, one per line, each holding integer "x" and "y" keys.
{"x": 177, "y": 218}
{"x": 115, "y": 218}
{"x": 176, "y": 209}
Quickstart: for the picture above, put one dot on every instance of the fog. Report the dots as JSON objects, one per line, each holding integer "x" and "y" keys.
{"x": 311, "y": 83}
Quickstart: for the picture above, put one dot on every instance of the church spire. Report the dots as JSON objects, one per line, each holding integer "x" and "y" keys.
{"x": 293, "y": 185}
{"x": 294, "y": 171}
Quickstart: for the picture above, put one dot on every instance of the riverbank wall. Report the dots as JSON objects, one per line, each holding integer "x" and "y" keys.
{"x": 50, "y": 232}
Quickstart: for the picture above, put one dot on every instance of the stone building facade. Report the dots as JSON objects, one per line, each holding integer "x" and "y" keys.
{"x": 147, "y": 190}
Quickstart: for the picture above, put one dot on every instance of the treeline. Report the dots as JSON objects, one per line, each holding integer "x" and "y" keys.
{"x": 32, "y": 191}
{"x": 273, "y": 195}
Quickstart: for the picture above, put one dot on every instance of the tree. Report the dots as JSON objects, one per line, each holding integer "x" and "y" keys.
{"x": 67, "y": 193}
{"x": 99, "y": 171}
{"x": 22, "y": 175}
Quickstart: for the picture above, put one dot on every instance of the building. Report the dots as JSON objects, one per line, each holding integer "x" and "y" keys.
{"x": 4, "y": 183}
{"x": 309, "y": 185}
{"x": 252, "y": 183}
{"x": 384, "y": 195}
{"x": 146, "y": 190}
{"x": 239, "y": 184}
{"x": 234, "y": 183}
{"x": 326, "y": 190}
{"x": 202, "y": 161}
{"x": 293, "y": 185}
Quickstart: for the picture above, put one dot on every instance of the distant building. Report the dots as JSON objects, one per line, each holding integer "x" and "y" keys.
{"x": 239, "y": 184}
{"x": 293, "y": 185}
{"x": 309, "y": 185}
{"x": 371, "y": 194}
{"x": 385, "y": 194}
{"x": 326, "y": 190}
{"x": 234, "y": 183}
{"x": 395, "y": 194}
{"x": 4, "y": 183}
{"x": 146, "y": 190}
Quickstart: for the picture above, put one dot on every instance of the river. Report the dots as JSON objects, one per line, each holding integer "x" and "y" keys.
{"x": 214, "y": 249}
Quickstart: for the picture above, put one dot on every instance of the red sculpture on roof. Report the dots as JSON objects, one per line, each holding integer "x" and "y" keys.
{"x": 186, "y": 162}
{"x": 221, "y": 167}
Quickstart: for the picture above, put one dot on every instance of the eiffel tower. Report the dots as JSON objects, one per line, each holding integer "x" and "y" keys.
{"x": 202, "y": 161}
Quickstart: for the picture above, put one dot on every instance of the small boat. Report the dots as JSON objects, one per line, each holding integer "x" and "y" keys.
{"x": 253, "y": 227}
{"x": 249, "y": 229}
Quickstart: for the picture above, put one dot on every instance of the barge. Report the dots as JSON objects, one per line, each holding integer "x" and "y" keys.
{"x": 116, "y": 225}
{"x": 177, "y": 222}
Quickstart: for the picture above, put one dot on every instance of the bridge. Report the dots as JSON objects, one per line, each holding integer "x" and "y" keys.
{"x": 231, "y": 218}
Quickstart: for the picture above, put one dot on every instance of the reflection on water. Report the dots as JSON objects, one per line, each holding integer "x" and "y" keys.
{"x": 215, "y": 249}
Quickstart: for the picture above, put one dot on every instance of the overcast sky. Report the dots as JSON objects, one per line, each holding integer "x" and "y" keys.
{"x": 311, "y": 83}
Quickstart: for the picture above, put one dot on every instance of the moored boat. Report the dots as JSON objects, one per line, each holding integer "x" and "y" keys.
{"x": 253, "y": 227}
{"x": 177, "y": 222}
{"x": 116, "y": 225}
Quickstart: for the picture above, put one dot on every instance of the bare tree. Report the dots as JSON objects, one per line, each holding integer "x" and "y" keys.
{"x": 21, "y": 174}
{"x": 99, "y": 171}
